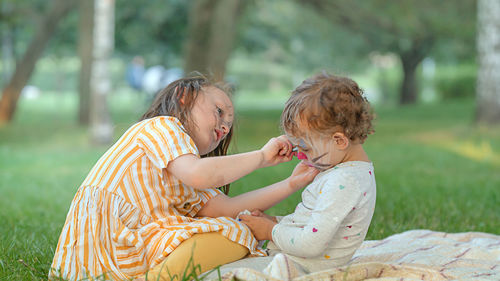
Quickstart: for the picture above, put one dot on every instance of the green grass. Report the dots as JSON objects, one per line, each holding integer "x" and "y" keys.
{"x": 435, "y": 170}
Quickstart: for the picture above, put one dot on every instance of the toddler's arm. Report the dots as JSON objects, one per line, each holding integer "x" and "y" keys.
{"x": 332, "y": 206}
{"x": 218, "y": 171}
{"x": 259, "y": 213}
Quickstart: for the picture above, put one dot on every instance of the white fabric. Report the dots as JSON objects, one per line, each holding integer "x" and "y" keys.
{"x": 332, "y": 220}
{"x": 411, "y": 255}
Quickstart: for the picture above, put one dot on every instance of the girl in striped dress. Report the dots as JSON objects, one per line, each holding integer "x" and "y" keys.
{"x": 151, "y": 202}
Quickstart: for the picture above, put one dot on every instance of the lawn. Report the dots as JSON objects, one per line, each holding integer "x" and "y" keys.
{"x": 434, "y": 168}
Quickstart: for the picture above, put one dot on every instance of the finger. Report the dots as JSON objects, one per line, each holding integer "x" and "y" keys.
{"x": 244, "y": 217}
{"x": 313, "y": 172}
{"x": 282, "y": 151}
{"x": 284, "y": 138}
{"x": 286, "y": 144}
{"x": 289, "y": 146}
{"x": 285, "y": 148}
{"x": 302, "y": 165}
{"x": 256, "y": 213}
{"x": 285, "y": 158}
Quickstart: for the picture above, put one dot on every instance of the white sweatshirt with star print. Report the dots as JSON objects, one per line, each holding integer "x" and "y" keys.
{"x": 332, "y": 220}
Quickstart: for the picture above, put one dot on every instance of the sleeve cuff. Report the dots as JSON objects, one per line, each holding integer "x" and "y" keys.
{"x": 274, "y": 235}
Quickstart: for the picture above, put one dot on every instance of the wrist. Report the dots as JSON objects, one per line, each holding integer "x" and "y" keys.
{"x": 290, "y": 184}
{"x": 270, "y": 231}
{"x": 262, "y": 158}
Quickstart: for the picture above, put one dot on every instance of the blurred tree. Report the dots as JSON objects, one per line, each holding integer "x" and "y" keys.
{"x": 101, "y": 129}
{"x": 212, "y": 28}
{"x": 85, "y": 50}
{"x": 155, "y": 30}
{"x": 17, "y": 19}
{"x": 26, "y": 65}
{"x": 7, "y": 39}
{"x": 295, "y": 42}
{"x": 488, "y": 80}
{"x": 408, "y": 28}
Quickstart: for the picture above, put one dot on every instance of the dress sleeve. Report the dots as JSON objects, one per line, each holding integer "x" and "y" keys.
{"x": 163, "y": 139}
{"x": 336, "y": 199}
{"x": 208, "y": 193}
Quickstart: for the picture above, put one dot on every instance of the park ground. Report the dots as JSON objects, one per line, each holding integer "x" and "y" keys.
{"x": 435, "y": 170}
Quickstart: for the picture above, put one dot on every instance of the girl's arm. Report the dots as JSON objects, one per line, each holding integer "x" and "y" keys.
{"x": 218, "y": 171}
{"x": 262, "y": 199}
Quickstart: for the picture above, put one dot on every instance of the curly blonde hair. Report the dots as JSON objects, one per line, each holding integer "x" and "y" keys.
{"x": 326, "y": 104}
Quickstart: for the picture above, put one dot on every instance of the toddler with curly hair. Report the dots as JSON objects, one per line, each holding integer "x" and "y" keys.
{"x": 327, "y": 118}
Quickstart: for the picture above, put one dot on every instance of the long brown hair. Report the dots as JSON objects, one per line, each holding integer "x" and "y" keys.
{"x": 167, "y": 103}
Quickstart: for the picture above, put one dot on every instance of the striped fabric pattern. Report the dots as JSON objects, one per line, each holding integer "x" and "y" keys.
{"x": 129, "y": 213}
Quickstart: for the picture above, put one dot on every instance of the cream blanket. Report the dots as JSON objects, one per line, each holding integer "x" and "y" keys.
{"x": 411, "y": 255}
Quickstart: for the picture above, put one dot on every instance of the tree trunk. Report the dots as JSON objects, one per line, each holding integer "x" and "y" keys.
{"x": 199, "y": 32}
{"x": 100, "y": 79}
{"x": 85, "y": 45}
{"x": 212, "y": 30}
{"x": 410, "y": 61}
{"x": 488, "y": 78}
{"x": 35, "y": 49}
{"x": 223, "y": 33}
{"x": 408, "y": 92}
{"x": 8, "y": 59}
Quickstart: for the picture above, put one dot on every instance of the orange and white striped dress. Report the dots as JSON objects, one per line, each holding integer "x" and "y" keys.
{"x": 128, "y": 215}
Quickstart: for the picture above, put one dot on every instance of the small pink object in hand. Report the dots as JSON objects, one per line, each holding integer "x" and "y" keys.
{"x": 301, "y": 156}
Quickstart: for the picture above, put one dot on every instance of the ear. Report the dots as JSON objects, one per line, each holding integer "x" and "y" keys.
{"x": 341, "y": 140}
{"x": 180, "y": 96}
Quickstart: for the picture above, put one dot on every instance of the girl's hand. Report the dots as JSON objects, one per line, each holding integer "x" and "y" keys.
{"x": 261, "y": 227}
{"x": 302, "y": 175}
{"x": 276, "y": 151}
{"x": 259, "y": 213}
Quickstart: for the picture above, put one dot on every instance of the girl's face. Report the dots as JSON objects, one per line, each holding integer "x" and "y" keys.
{"x": 322, "y": 152}
{"x": 212, "y": 115}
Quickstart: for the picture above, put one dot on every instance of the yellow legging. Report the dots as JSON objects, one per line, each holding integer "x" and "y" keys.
{"x": 210, "y": 250}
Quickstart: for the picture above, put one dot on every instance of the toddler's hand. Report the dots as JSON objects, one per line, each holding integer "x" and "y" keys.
{"x": 259, "y": 213}
{"x": 276, "y": 151}
{"x": 302, "y": 175}
{"x": 261, "y": 227}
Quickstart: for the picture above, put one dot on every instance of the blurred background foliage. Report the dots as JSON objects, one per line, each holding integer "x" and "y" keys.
{"x": 277, "y": 44}
{"x": 418, "y": 62}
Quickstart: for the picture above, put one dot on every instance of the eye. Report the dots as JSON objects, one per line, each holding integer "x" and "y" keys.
{"x": 303, "y": 146}
{"x": 219, "y": 110}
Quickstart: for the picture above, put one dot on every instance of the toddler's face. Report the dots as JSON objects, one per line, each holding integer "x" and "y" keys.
{"x": 321, "y": 151}
{"x": 212, "y": 115}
